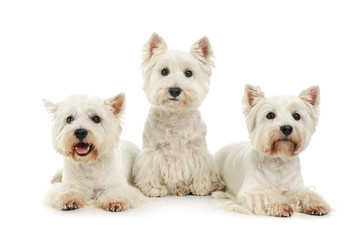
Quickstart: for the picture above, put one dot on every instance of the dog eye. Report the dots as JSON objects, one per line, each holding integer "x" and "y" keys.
{"x": 95, "y": 119}
{"x": 271, "y": 115}
{"x": 69, "y": 119}
{"x": 296, "y": 116}
{"x": 165, "y": 72}
{"x": 188, "y": 73}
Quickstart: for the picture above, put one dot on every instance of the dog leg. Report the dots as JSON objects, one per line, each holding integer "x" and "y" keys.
{"x": 147, "y": 175}
{"x": 66, "y": 197}
{"x": 309, "y": 202}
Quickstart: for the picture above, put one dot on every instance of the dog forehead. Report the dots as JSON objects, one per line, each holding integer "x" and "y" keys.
{"x": 176, "y": 58}
{"x": 81, "y": 104}
{"x": 283, "y": 104}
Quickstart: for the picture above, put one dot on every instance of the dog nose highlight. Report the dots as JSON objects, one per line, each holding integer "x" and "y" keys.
{"x": 174, "y": 92}
{"x": 286, "y": 129}
{"x": 81, "y": 133}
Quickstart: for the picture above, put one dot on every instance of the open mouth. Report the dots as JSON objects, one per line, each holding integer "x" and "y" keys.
{"x": 82, "y": 149}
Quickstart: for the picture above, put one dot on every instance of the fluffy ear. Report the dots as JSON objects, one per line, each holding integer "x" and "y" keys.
{"x": 155, "y": 45}
{"x": 50, "y": 107}
{"x": 117, "y": 104}
{"x": 311, "y": 95}
{"x": 202, "y": 50}
{"x": 252, "y": 95}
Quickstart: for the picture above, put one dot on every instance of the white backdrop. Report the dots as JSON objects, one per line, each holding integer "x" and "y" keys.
{"x": 52, "y": 49}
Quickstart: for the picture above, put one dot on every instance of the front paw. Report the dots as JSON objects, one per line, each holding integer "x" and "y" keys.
{"x": 218, "y": 186}
{"x": 115, "y": 206}
{"x": 183, "y": 191}
{"x": 156, "y": 192}
{"x": 72, "y": 204}
{"x": 200, "y": 191}
{"x": 317, "y": 210}
{"x": 281, "y": 210}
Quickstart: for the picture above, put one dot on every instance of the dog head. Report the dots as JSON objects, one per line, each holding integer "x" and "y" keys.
{"x": 86, "y": 127}
{"x": 281, "y": 126}
{"x": 176, "y": 79}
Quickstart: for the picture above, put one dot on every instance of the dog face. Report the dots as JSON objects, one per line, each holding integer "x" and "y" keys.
{"x": 86, "y": 127}
{"x": 175, "y": 79}
{"x": 281, "y": 126}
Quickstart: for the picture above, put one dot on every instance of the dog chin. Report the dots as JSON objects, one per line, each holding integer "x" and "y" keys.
{"x": 283, "y": 148}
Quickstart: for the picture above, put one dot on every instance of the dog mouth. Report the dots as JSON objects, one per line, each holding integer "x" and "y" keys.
{"x": 173, "y": 99}
{"x": 83, "y": 149}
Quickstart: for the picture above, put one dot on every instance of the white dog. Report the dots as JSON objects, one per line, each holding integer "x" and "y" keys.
{"x": 97, "y": 164}
{"x": 175, "y": 159}
{"x": 263, "y": 177}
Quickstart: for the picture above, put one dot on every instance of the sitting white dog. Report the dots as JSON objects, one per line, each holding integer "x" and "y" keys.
{"x": 97, "y": 164}
{"x": 174, "y": 158}
{"x": 263, "y": 177}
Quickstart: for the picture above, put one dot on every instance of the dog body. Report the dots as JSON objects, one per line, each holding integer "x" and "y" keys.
{"x": 174, "y": 158}
{"x": 263, "y": 176}
{"x": 97, "y": 164}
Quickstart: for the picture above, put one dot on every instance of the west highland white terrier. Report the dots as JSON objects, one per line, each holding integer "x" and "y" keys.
{"x": 97, "y": 164}
{"x": 263, "y": 177}
{"x": 174, "y": 159}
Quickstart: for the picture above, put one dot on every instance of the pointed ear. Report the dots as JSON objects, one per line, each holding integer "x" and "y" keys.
{"x": 252, "y": 95}
{"x": 311, "y": 95}
{"x": 155, "y": 45}
{"x": 202, "y": 50}
{"x": 117, "y": 104}
{"x": 50, "y": 107}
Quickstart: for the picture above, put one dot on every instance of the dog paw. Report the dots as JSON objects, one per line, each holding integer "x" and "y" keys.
{"x": 282, "y": 210}
{"x": 183, "y": 191}
{"x": 115, "y": 206}
{"x": 201, "y": 191}
{"x": 218, "y": 186}
{"x": 316, "y": 210}
{"x": 72, "y": 205}
{"x": 157, "y": 192}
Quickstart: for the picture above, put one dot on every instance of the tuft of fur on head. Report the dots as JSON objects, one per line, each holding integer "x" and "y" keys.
{"x": 266, "y": 135}
{"x": 102, "y": 119}
{"x": 194, "y": 89}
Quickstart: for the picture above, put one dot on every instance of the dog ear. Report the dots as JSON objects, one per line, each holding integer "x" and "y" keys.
{"x": 117, "y": 104}
{"x": 50, "y": 107}
{"x": 155, "y": 46}
{"x": 311, "y": 95}
{"x": 202, "y": 50}
{"x": 252, "y": 95}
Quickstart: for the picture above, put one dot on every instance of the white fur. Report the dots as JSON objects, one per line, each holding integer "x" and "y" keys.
{"x": 263, "y": 176}
{"x": 174, "y": 158}
{"x": 103, "y": 178}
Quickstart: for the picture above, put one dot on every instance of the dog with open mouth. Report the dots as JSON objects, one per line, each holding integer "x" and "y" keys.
{"x": 97, "y": 163}
{"x": 263, "y": 176}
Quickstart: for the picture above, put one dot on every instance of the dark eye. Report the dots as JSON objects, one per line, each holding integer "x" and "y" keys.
{"x": 96, "y": 119}
{"x": 271, "y": 115}
{"x": 69, "y": 119}
{"x": 296, "y": 116}
{"x": 165, "y": 72}
{"x": 188, "y": 73}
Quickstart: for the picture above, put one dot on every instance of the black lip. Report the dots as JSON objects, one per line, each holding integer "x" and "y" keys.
{"x": 173, "y": 99}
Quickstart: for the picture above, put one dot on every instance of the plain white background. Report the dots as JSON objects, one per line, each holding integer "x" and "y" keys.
{"x": 52, "y": 49}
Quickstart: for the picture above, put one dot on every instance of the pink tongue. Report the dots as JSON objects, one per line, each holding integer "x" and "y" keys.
{"x": 82, "y": 149}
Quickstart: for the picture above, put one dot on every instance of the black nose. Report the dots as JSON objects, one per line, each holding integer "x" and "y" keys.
{"x": 174, "y": 92}
{"x": 80, "y": 133}
{"x": 286, "y": 129}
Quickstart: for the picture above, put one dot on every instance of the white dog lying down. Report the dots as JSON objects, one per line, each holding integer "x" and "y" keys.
{"x": 97, "y": 164}
{"x": 263, "y": 176}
